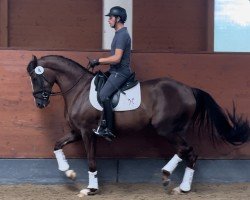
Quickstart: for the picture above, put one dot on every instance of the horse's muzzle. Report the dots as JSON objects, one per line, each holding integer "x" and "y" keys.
{"x": 41, "y": 104}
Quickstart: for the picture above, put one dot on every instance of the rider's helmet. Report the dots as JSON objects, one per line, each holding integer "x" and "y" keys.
{"x": 118, "y": 11}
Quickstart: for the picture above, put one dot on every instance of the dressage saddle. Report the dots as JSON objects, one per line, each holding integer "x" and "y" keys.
{"x": 100, "y": 80}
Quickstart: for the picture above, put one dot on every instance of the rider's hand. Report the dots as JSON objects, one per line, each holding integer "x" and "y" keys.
{"x": 94, "y": 62}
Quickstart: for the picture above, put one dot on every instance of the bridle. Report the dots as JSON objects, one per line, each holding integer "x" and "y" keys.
{"x": 44, "y": 93}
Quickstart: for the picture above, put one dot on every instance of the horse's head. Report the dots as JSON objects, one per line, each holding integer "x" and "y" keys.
{"x": 42, "y": 82}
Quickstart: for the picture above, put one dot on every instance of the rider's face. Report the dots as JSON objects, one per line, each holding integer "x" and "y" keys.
{"x": 111, "y": 21}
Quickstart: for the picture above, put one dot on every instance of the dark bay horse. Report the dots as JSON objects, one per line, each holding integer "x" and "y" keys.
{"x": 168, "y": 106}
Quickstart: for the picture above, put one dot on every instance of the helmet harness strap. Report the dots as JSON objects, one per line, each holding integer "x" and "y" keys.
{"x": 117, "y": 19}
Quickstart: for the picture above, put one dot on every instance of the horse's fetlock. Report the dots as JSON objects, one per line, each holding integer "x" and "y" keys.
{"x": 57, "y": 147}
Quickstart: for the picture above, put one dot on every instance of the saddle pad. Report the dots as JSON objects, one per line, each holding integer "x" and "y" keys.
{"x": 129, "y": 101}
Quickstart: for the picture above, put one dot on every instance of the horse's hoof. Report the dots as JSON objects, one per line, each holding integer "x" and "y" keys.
{"x": 71, "y": 174}
{"x": 166, "y": 183}
{"x": 165, "y": 179}
{"x": 87, "y": 192}
{"x": 177, "y": 191}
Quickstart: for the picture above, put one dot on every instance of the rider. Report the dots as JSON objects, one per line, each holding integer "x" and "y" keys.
{"x": 120, "y": 70}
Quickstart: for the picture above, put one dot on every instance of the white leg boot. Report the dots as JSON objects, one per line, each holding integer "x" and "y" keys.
{"x": 63, "y": 164}
{"x": 61, "y": 160}
{"x": 92, "y": 187}
{"x": 185, "y": 186}
{"x": 172, "y": 164}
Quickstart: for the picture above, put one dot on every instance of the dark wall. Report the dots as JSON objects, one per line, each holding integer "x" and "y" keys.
{"x": 29, "y": 132}
{"x": 177, "y": 25}
{"x": 57, "y": 24}
{"x": 170, "y": 25}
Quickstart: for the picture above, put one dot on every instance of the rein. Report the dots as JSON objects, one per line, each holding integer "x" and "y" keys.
{"x": 67, "y": 91}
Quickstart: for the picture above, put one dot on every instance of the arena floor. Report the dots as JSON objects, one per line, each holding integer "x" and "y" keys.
{"x": 239, "y": 191}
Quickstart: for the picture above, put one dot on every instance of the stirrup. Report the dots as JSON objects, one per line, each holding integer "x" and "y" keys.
{"x": 104, "y": 132}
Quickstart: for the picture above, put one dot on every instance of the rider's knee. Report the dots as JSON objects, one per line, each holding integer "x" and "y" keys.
{"x": 104, "y": 98}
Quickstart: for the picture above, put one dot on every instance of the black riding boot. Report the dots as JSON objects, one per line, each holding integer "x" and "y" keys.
{"x": 106, "y": 125}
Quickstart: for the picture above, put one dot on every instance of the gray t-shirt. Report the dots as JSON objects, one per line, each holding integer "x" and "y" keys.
{"x": 122, "y": 41}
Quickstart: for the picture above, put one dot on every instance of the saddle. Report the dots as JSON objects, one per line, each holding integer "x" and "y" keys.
{"x": 100, "y": 80}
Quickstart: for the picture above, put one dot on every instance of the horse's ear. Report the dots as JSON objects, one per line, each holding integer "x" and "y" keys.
{"x": 34, "y": 61}
{"x": 32, "y": 65}
{"x": 34, "y": 58}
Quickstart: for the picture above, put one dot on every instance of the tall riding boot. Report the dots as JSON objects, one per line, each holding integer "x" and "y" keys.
{"x": 108, "y": 114}
{"x": 106, "y": 124}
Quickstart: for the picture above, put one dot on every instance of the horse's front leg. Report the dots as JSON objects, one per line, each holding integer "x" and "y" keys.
{"x": 90, "y": 145}
{"x": 60, "y": 157}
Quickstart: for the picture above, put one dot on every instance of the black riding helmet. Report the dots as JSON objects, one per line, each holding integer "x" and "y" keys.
{"x": 118, "y": 11}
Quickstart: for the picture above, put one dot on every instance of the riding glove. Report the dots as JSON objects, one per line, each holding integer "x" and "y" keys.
{"x": 94, "y": 62}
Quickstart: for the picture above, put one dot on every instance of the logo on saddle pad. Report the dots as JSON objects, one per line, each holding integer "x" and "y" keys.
{"x": 129, "y": 99}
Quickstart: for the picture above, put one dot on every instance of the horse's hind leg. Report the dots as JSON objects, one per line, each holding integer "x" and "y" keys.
{"x": 60, "y": 157}
{"x": 186, "y": 153}
{"x": 169, "y": 168}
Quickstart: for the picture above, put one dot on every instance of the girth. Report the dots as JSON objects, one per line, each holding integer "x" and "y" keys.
{"x": 100, "y": 80}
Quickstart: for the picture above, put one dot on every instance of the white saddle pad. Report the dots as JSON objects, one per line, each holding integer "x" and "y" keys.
{"x": 129, "y": 101}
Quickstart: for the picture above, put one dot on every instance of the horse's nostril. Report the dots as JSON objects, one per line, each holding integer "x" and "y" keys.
{"x": 39, "y": 105}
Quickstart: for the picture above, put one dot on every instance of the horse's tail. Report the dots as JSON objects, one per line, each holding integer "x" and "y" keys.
{"x": 208, "y": 113}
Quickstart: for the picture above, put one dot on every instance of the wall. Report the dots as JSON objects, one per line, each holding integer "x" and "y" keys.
{"x": 55, "y": 24}
{"x": 77, "y": 25}
{"x": 171, "y": 25}
{"x": 28, "y": 132}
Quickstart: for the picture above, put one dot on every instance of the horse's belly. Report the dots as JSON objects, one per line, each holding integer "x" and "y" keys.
{"x": 130, "y": 120}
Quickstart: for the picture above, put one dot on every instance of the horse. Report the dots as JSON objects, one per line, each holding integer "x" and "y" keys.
{"x": 168, "y": 106}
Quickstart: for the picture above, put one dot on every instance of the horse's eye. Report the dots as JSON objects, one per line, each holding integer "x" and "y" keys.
{"x": 35, "y": 79}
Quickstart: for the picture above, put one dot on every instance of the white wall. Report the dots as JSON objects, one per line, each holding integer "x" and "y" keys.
{"x": 108, "y": 32}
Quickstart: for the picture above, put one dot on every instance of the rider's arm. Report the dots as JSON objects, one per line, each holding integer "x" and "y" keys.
{"x": 112, "y": 59}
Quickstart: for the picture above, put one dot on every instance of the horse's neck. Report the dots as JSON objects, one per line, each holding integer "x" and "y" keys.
{"x": 69, "y": 78}
{"x": 73, "y": 81}
{"x": 61, "y": 68}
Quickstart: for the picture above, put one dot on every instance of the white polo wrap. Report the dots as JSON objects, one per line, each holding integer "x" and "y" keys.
{"x": 187, "y": 180}
{"x": 93, "y": 180}
{"x": 172, "y": 164}
{"x": 61, "y": 160}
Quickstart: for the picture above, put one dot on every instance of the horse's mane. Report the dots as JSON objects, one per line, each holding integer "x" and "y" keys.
{"x": 70, "y": 61}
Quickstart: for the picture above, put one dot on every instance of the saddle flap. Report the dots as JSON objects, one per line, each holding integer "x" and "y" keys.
{"x": 100, "y": 80}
